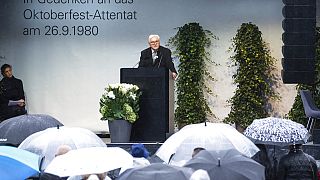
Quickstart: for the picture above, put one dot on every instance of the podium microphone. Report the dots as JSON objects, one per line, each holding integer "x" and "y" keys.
{"x": 135, "y": 64}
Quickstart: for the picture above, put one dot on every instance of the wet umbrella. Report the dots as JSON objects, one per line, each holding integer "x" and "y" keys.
{"x": 17, "y": 163}
{"x": 228, "y": 164}
{"x": 157, "y": 171}
{"x": 212, "y": 136}
{"x": 15, "y": 130}
{"x": 276, "y": 131}
{"x": 45, "y": 143}
{"x": 94, "y": 160}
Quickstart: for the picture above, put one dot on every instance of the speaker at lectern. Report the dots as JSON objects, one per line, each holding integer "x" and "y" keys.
{"x": 156, "y": 117}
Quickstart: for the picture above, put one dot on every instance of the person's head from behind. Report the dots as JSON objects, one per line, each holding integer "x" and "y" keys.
{"x": 101, "y": 176}
{"x": 62, "y": 149}
{"x": 6, "y": 70}
{"x": 200, "y": 174}
{"x": 197, "y": 150}
{"x": 138, "y": 150}
{"x": 295, "y": 147}
{"x": 154, "y": 41}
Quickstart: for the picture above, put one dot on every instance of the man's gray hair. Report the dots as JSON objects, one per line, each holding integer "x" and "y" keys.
{"x": 153, "y": 36}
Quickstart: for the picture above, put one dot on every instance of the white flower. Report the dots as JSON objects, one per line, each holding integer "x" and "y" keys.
{"x": 111, "y": 95}
{"x": 133, "y": 96}
{"x": 123, "y": 89}
{"x": 113, "y": 86}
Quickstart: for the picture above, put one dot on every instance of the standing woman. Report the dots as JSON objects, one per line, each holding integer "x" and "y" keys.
{"x": 12, "y": 100}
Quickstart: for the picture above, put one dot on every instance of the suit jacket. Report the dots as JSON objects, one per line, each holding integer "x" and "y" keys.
{"x": 11, "y": 89}
{"x": 164, "y": 59}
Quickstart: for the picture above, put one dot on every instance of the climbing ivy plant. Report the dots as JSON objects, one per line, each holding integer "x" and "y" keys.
{"x": 253, "y": 78}
{"x": 190, "y": 44}
{"x": 296, "y": 113}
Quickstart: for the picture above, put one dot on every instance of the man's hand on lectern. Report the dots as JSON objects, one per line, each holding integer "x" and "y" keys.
{"x": 174, "y": 76}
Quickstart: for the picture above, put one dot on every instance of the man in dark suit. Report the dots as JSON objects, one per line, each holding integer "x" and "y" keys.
{"x": 157, "y": 56}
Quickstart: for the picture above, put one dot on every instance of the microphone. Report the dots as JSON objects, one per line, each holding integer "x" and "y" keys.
{"x": 135, "y": 64}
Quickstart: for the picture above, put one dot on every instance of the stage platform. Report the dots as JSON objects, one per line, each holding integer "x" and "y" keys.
{"x": 309, "y": 148}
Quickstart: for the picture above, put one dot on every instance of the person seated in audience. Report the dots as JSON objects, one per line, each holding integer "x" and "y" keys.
{"x": 200, "y": 174}
{"x": 102, "y": 176}
{"x": 140, "y": 159}
{"x": 12, "y": 99}
{"x": 140, "y": 155}
{"x": 262, "y": 158}
{"x": 62, "y": 149}
{"x": 197, "y": 150}
{"x": 297, "y": 165}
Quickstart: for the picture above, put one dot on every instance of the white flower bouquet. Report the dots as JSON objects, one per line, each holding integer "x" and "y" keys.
{"x": 120, "y": 101}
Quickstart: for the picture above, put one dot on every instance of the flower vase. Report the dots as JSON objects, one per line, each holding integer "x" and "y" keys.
{"x": 120, "y": 131}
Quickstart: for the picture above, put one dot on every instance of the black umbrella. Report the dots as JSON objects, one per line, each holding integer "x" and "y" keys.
{"x": 14, "y": 130}
{"x": 157, "y": 171}
{"x": 228, "y": 164}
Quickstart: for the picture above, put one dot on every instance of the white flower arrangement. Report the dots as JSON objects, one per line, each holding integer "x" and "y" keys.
{"x": 120, "y": 101}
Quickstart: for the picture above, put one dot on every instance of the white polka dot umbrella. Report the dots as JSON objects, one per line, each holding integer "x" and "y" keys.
{"x": 276, "y": 131}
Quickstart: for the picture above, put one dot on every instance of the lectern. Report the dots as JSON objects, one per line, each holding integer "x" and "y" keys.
{"x": 156, "y": 103}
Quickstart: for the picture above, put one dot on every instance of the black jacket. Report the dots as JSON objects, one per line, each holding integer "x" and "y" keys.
{"x": 262, "y": 158}
{"x": 164, "y": 59}
{"x": 297, "y": 166}
{"x": 10, "y": 89}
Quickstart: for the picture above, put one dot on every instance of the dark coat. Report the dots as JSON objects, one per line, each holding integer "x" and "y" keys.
{"x": 164, "y": 59}
{"x": 10, "y": 89}
{"x": 297, "y": 165}
{"x": 262, "y": 158}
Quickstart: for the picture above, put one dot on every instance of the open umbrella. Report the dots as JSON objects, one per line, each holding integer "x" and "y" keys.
{"x": 94, "y": 160}
{"x": 45, "y": 143}
{"x": 228, "y": 164}
{"x": 157, "y": 171}
{"x": 276, "y": 131}
{"x": 17, "y": 163}
{"x": 15, "y": 130}
{"x": 211, "y": 136}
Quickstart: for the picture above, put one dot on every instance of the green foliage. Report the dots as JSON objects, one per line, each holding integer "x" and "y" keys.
{"x": 297, "y": 111}
{"x": 120, "y": 101}
{"x": 253, "y": 76}
{"x": 190, "y": 45}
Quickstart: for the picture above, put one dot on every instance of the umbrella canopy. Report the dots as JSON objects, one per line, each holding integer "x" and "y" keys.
{"x": 17, "y": 163}
{"x": 276, "y": 131}
{"x": 45, "y": 143}
{"x": 157, "y": 171}
{"x": 93, "y": 160}
{"x": 228, "y": 164}
{"x": 15, "y": 130}
{"x": 212, "y": 136}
